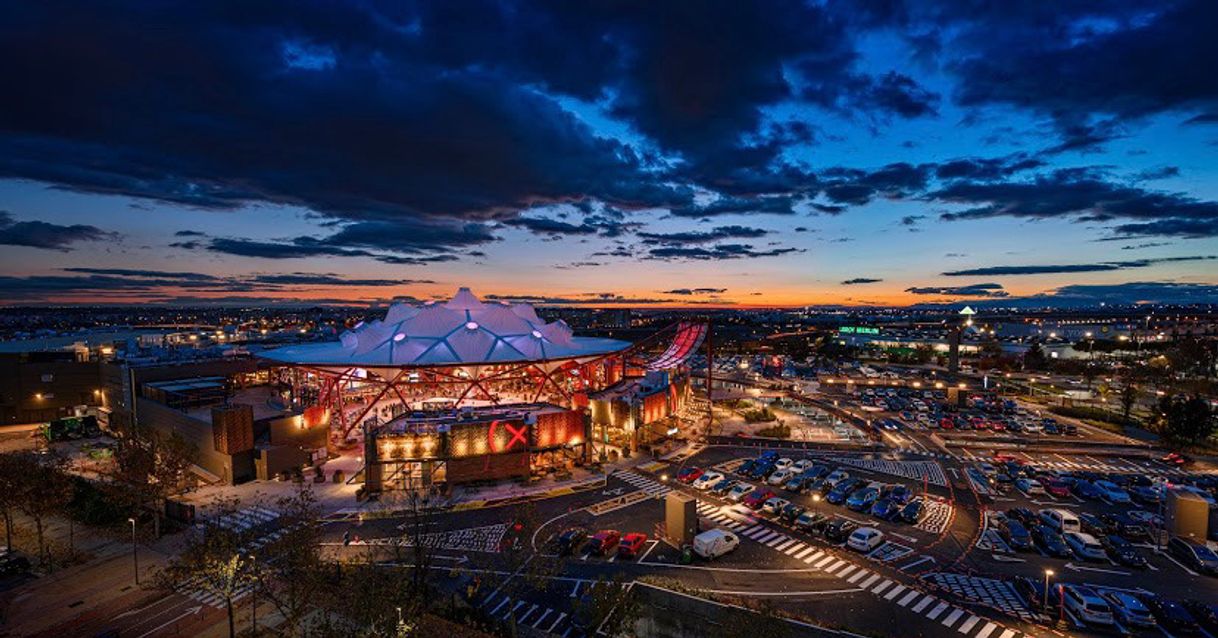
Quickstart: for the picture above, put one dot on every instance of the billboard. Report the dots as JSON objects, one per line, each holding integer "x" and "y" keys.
{"x": 488, "y": 437}
{"x": 556, "y": 429}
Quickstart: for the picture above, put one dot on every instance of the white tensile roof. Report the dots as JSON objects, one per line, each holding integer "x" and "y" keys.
{"x": 463, "y": 330}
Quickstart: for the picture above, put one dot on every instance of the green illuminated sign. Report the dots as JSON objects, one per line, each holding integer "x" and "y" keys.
{"x": 858, "y": 330}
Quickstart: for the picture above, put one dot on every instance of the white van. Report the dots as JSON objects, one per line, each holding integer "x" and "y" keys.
{"x": 1061, "y": 520}
{"x": 715, "y": 543}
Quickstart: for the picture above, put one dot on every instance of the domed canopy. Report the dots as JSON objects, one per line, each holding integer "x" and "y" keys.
{"x": 463, "y": 330}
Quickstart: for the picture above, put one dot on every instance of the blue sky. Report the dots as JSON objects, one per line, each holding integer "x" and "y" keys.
{"x": 766, "y": 153}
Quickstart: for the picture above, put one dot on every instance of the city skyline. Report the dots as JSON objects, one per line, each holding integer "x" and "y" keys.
{"x": 759, "y": 154}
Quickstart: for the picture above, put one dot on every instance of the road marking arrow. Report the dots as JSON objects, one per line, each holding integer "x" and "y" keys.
{"x": 1096, "y": 569}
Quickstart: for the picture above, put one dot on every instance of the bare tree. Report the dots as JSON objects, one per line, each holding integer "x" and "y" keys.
{"x": 43, "y": 489}
{"x": 288, "y": 572}
{"x": 151, "y": 468}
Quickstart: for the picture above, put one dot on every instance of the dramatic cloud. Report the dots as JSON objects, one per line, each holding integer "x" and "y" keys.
{"x": 718, "y": 252}
{"x": 703, "y": 237}
{"x": 975, "y": 290}
{"x": 1072, "y": 268}
{"x": 861, "y": 280}
{"x": 857, "y": 187}
{"x": 696, "y": 291}
{"x": 39, "y": 234}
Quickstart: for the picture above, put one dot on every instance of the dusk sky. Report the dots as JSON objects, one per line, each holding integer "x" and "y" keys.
{"x": 744, "y": 153}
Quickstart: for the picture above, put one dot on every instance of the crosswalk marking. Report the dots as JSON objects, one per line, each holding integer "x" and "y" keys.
{"x": 879, "y": 589}
{"x": 953, "y": 617}
{"x": 790, "y": 551}
{"x": 817, "y": 555}
{"x": 846, "y": 570}
{"x": 922, "y": 604}
{"x": 784, "y": 545}
{"x": 870, "y": 581}
{"x": 939, "y": 609}
{"x": 909, "y": 598}
{"x": 857, "y": 575}
{"x": 968, "y": 624}
{"x": 895, "y": 590}
{"x": 752, "y": 529}
{"x": 807, "y": 550}
{"x": 1010, "y": 633}
{"x": 834, "y": 567}
{"x": 986, "y": 630}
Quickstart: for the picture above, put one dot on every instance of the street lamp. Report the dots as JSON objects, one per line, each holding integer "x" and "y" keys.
{"x": 135, "y": 556}
{"x": 1048, "y": 573}
{"x": 815, "y": 501}
{"x": 400, "y": 622}
{"x": 253, "y": 599}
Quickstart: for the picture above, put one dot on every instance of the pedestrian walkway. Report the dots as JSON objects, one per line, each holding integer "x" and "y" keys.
{"x": 929, "y": 471}
{"x": 924, "y": 604}
{"x": 991, "y": 592}
{"x": 649, "y": 485}
{"x": 536, "y": 616}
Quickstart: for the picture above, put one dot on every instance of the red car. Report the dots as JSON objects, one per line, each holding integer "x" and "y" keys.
{"x": 631, "y": 545}
{"x": 1176, "y": 458}
{"x": 604, "y": 542}
{"x": 757, "y": 498}
{"x": 1057, "y": 488}
{"x": 689, "y": 474}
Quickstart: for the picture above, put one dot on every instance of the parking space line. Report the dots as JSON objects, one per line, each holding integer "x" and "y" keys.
{"x": 501, "y": 603}
{"x": 541, "y": 617}
{"x": 561, "y": 615}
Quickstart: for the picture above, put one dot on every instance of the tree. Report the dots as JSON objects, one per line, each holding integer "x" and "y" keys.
{"x": 1034, "y": 358}
{"x": 151, "y": 468}
{"x": 288, "y": 571}
{"x": 1128, "y": 397}
{"x": 12, "y": 477}
{"x": 1186, "y": 420}
{"x": 44, "y": 489}
{"x": 1194, "y": 356}
{"x": 212, "y": 561}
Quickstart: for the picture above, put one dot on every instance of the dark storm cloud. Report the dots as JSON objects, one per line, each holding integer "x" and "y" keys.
{"x": 704, "y": 237}
{"x": 45, "y": 235}
{"x": 695, "y": 291}
{"x": 544, "y": 226}
{"x": 719, "y": 252}
{"x": 860, "y": 280}
{"x": 974, "y": 290}
{"x": 1119, "y": 59}
{"x": 1083, "y": 195}
{"x": 1074, "y": 268}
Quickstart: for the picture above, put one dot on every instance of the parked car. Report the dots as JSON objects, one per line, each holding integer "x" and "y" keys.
{"x": 865, "y": 539}
{"x": 1057, "y": 489}
{"x": 841, "y": 491}
{"x": 782, "y": 463}
{"x": 812, "y": 522}
{"x": 1033, "y": 592}
{"x": 746, "y": 468}
{"x": 886, "y": 509}
{"x": 604, "y": 542}
{"x": 796, "y": 484}
{"x": 774, "y": 505}
{"x": 1122, "y": 524}
{"x": 1123, "y": 552}
{"x": 1086, "y": 605}
{"x": 707, "y": 480}
{"x": 1092, "y": 524}
{"x": 836, "y": 476}
{"x": 1196, "y": 556}
{"x": 1015, "y": 535}
{"x": 1023, "y": 515}
{"x": 1049, "y": 541}
{"x": 1112, "y": 492}
{"x": 1171, "y": 614}
{"x": 714, "y": 543}
{"x": 739, "y": 491}
{"x": 1145, "y": 494}
{"x": 780, "y": 476}
{"x": 1085, "y": 546}
{"x": 1128, "y": 610}
{"x": 914, "y": 512}
{"x": 862, "y": 499}
{"x": 791, "y": 512}
{"x": 689, "y": 474}
{"x": 757, "y": 498}
{"x": 839, "y": 529}
{"x": 723, "y": 487}
{"x": 570, "y": 540}
{"x": 1085, "y": 490}
{"x": 801, "y": 465}
{"x": 1029, "y": 486}
{"x": 631, "y": 545}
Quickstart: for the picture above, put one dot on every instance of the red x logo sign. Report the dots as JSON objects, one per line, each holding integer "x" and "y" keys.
{"x": 518, "y": 435}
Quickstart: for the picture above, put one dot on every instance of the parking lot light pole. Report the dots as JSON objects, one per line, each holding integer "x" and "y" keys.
{"x": 1048, "y": 573}
{"x": 135, "y": 555}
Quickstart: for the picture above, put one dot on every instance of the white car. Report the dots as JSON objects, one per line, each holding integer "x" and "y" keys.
{"x": 775, "y": 504}
{"x": 782, "y": 463}
{"x": 781, "y": 476}
{"x": 802, "y": 464}
{"x": 836, "y": 476}
{"x": 1112, "y": 492}
{"x": 1085, "y": 546}
{"x": 865, "y": 539}
{"x": 1029, "y": 486}
{"x": 708, "y": 480}
{"x": 739, "y": 492}
{"x": 1086, "y": 605}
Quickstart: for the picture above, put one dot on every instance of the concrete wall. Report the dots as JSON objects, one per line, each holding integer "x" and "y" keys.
{"x": 668, "y": 614}
{"x": 165, "y": 420}
{"x": 25, "y": 397}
